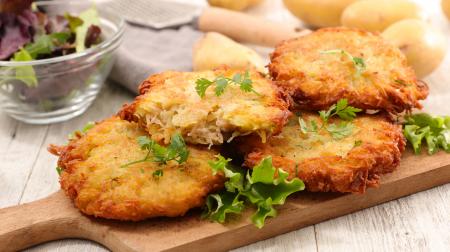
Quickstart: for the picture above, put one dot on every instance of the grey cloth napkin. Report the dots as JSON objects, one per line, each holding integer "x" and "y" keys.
{"x": 145, "y": 51}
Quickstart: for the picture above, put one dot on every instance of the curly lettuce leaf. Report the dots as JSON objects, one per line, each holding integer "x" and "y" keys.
{"x": 434, "y": 130}
{"x": 265, "y": 187}
{"x": 219, "y": 205}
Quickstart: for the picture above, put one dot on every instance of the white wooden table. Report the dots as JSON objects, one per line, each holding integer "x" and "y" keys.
{"x": 420, "y": 222}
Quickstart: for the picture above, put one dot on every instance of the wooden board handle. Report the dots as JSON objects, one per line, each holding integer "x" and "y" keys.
{"x": 44, "y": 220}
{"x": 245, "y": 28}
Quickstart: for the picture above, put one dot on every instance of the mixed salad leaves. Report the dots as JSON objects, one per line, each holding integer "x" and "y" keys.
{"x": 27, "y": 33}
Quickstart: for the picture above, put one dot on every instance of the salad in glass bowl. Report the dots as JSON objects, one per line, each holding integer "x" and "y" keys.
{"x": 54, "y": 57}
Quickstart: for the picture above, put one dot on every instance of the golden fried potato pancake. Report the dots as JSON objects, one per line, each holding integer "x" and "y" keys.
{"x": 324, "y": 163}
{"x": 93, "y": 176}
{"x": 169, "y": 103}
{"x": 316, "y": 77}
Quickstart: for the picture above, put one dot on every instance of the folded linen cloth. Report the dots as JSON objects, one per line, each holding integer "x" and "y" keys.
{"x": 145, "y": 51}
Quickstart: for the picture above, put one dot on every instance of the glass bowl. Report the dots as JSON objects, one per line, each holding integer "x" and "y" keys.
{"x": 66, "y": 85}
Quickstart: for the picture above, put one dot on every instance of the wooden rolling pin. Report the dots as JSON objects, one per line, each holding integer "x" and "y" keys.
{"x": 245, "y": 28}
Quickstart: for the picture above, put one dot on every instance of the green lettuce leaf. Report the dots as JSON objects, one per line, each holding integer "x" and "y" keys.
{"x": 263, "y": 188}
{"x": 25, "y": 73}
{"x": 434, "y": 130}
{"x": 219, "y": 205}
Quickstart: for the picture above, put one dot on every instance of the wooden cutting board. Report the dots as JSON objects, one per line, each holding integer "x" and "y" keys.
{"x": 55, "y": 217}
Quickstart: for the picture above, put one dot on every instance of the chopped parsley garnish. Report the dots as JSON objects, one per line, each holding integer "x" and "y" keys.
{"x": 221, "y": 82}
{"x": 341, "y": 130}
{"x": 176, "y": 151}
{"x": 260, "y": 188}
{"x": 59, "y": 170}
{"x": 341, "y": 109}
{"x": 434, "y": 130}
{"x": 158, "y": 173}
{"x": 358, "y": 63}
{"x": 403, "y": 83}
{"x": 357, "y": 143}
{"x": 84, "y": 130}
{"x": 337, "y": 131}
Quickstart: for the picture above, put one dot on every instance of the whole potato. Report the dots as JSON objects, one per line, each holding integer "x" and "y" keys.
{"x": 423, "y": 45}
{"x": 377, "y": 15}
{"x": 318, "y": 13}
{"x": 445, "y": 4}
{"x": 237, "y": 5}
{"x": 215, "y": 50}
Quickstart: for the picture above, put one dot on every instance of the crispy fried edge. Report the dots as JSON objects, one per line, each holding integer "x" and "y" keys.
{"x": 393, "y": 102}
{"x": 364, "y": 163}
{"x": 281, "y": 100}
{"x": 67, "y": 160}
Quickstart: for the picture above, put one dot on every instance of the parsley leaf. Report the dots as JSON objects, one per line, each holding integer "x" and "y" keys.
{"x": 357, "y": 143}
{"x": 176, "y": 151}
{"x": 341, "y": 109}
{"x": 221, "y": 82}
{"x": 84, "y": 130}
{"x": 337, "y": 131}
{"x": 158, "y": 173}
{"x": 202, "y": 85}
{"x": 358, "y": 63}
{"x": 435, "y": 130}
{"x": 261, "y": 188}
{"x": 341, "y": 130}
{"x": 59, "y": 170}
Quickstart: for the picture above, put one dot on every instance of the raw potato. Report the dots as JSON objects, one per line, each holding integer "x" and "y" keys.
{"x": 215, "y": 50}
{"x": 445, "y": 4}
{"x": 377, "y": 15}
{"x": 423, "y": 45}
{"x": 318, "y": 13}
{"x": 234, "y": 4}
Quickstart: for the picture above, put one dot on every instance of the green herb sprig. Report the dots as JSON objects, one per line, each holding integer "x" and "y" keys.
{"x": 358, "y": 63}
{"x": 221, "y": 82}
{"x": 260, "y": 188}
{"x": 176, "y": 151}
{"x": 435, "y": 130}
{"x": 337, "y": 131}
{"x": 84, "y": 130}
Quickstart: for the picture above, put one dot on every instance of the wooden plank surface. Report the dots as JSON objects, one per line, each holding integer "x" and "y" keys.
{"x": 416, "y": 223}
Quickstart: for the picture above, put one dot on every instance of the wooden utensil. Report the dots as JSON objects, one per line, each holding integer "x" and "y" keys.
{"x": 55, "y": 217}
{"x": 239, "y": 26}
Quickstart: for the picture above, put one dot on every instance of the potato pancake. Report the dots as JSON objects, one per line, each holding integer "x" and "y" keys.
{"x": 348, "y": 162}
{"x": 95, "y": 178}
{"x": 170, "y": 103}
{"x": 318, "y": 69}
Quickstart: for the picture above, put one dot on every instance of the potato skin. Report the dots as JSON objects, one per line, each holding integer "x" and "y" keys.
{"x": 318, "y": 13}
{"x": 328, "y": 165}
{"x": 377, "y": 15}
{"x": 445, "y": 5}
{"x": 423, "y": 45}
{"x": 170, "y": 97}
{"x": 215, "y": 50}
{"x": 315, "y": 80}
{"x": 94, "y": 179}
